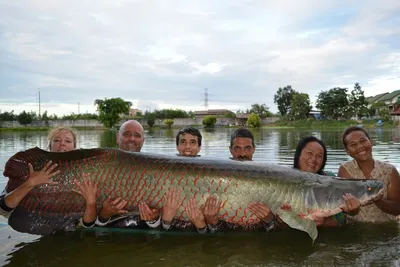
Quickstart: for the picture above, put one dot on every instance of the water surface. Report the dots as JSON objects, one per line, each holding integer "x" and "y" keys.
{"x": 361, "y": 245}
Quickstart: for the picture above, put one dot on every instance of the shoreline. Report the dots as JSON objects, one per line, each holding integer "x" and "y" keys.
{"x": 282, "y": 124}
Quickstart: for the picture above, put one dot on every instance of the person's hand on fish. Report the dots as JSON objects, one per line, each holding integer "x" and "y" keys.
{"x": 171, "y": 203}
{"x": 148, "y": 214}
{"x": 351, "y": 204}
{"x": 211, "y": 209}
{"x": 112, "y": 207}
{"x": 195, "y": 214}
{"x": 261, "y": 211}
{"x": 43, "y": 176}
{"x": 87, "y": 189}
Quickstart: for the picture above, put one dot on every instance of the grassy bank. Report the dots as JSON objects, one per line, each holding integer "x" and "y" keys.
{"x": 328, "y": 124}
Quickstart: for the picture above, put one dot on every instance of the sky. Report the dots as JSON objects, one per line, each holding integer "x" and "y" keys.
{"x": 163, "y": 54}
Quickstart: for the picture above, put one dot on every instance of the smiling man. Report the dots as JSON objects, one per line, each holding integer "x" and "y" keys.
{"x": 130, "y": 136}
{"x": 188, "y": 141}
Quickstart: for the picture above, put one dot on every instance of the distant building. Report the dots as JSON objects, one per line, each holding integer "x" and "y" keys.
{"x": 200, "y": 114}
{"x": 373, "y": 99}
{"x": 241, "y": 118}
{"x": 315, "y": 114}
{"x": 134, "y": 112}
{"x": 390, "y": 100}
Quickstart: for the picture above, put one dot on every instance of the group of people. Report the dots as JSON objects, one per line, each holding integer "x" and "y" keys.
{"x": 310, "y": 156}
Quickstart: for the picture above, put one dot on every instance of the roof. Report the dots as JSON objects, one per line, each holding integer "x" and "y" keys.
{"x": 242, "y": 116}
{"x": 396, "y": 111}
{"x": 372, "y": 99}
{"x": 212, "y": 112}
{"x": 390, "y": 96}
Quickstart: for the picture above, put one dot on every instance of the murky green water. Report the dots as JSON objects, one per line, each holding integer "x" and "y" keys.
{"x": 361, "y": 245}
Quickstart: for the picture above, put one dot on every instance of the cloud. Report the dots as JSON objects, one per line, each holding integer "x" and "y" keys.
{"x": 163, "y": 54}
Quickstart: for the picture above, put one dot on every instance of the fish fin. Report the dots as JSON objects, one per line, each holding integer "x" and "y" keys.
{"x": 299, "y": 223}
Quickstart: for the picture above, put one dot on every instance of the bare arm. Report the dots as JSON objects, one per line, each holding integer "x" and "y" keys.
{"x": 88, "y": 190}
{"x": 391, "y": 205}
{"x": 43, "y": 176}
{"x": 343, "y": 172}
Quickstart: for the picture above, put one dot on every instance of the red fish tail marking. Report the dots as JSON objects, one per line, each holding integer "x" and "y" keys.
{"x": 302, "y": 215}
{"x": 286, "y": 206}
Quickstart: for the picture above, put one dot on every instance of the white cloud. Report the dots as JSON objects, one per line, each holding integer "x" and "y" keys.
{"x": 165, "y": 53}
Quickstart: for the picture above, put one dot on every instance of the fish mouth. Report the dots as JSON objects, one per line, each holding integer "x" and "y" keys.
{"x": 372, "y": 199}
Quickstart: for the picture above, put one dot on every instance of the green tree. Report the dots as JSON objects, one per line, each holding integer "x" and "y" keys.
{"x": 253, "y": 120}
{"x": 300, "y": 106}
{"x": 169, "y": 122}
{"x": 333, "y": 103}
{"x": 357, "y": 102}
{"x": 8, "y": 116}
{"x": 375, "y": 107}
{"x": 111, "y": 109}
{"x": 384, "y": 114}
{"x": 261, "y": 110}
{"x": 171, "y": 114}
{"x": 209, "y": 121}
{"x": 151, "y": 121}
{"x": 25, "y": 118}
{"x": 282, "y": 99}
{"x": 45, "y": 117}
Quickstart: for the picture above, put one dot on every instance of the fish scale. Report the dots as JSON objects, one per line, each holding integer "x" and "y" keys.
{"x": 145, "y": 177}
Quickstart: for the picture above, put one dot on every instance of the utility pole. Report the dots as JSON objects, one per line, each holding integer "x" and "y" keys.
{"x": 39, "y": 106}
{"x": 79, "y": 111}
{"x": 206, "y": 98}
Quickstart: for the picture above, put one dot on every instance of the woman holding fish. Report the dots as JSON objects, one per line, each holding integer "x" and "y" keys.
{"x": 358, "y": 145}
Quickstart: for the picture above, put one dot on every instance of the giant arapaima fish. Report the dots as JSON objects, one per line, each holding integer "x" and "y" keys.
{"x": 139, "y": 177}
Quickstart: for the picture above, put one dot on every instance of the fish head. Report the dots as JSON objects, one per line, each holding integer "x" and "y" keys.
{"x": 373, "y": 191}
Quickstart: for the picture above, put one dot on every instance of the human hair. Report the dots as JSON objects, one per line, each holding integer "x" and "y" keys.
{"x": 242, "y": 132}
{"x": 350, "y": 130}
{"x": 189, "y": 130}
{"x": 58, "y": 130}
{"x": 302, "y": 144}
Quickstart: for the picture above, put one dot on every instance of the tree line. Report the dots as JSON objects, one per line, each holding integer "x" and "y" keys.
{"x": 27, "y": 117}
{"x": 335, "y": 103}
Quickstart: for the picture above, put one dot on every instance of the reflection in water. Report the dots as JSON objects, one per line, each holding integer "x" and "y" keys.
{"x": 361, "y": 245}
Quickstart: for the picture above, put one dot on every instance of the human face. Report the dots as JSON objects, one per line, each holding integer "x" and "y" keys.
{"x": 311, "y": 157}
{"x": 358, "y": 146}
{"x": 188, "y": 145}
{"x": 62, "y": 142}
{"x": 242, "y": 148}
{"x": 131, "y": 137}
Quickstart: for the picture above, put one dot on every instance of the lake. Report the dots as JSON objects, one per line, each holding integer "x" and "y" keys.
{"x": 360, "y": 245}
